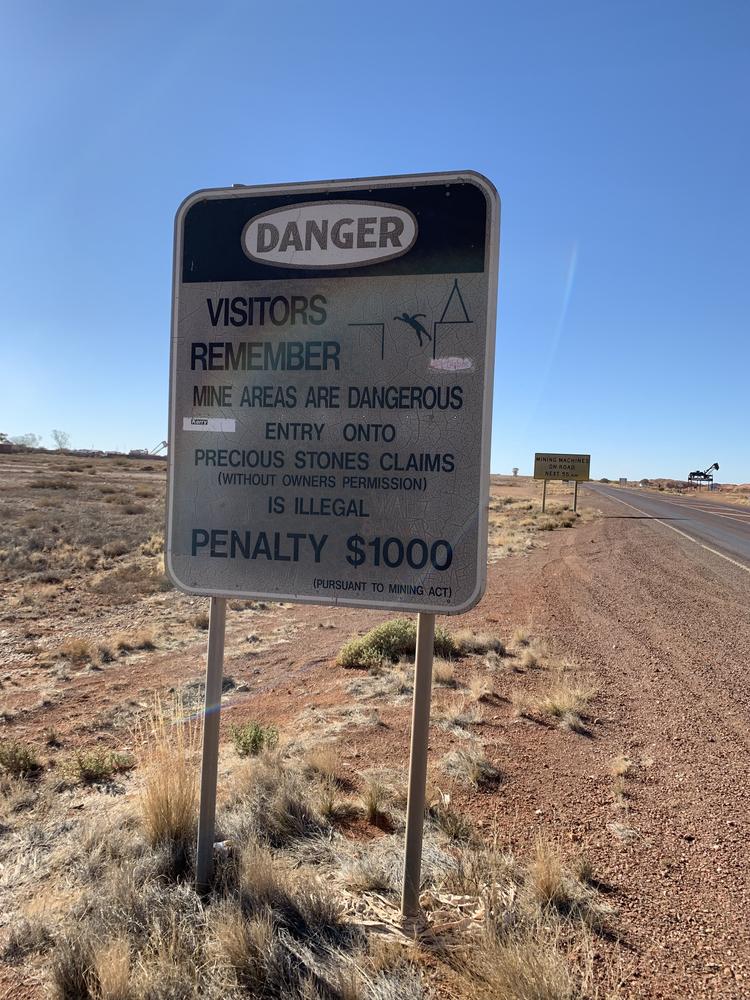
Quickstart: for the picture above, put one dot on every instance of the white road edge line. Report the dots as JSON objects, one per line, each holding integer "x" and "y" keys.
{"x": 679, "y": 532}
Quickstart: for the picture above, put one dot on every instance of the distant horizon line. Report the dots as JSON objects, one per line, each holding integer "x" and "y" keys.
{"x": 138, "y": 453}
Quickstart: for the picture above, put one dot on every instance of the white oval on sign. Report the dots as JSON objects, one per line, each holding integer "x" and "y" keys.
{"x": 329, "y": 234}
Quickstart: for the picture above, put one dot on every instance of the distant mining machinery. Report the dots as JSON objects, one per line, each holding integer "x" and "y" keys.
{"x": 699, "y": 478}
{"x": 145, "y": 453}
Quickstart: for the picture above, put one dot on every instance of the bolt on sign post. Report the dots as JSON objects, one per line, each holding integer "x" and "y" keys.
{"x": 565, "y": 468}
{"x": 331, "y": 375}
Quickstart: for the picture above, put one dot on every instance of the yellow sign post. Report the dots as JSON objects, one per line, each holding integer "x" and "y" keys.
{"x": 549, "y": 465}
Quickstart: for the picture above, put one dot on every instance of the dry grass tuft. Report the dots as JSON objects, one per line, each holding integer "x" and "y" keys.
{"x": 469, "y": 767}
{"x": 112, "y": 969}
{"x": 252, "y": 952}
{"x": 554, "y": 887}
{"x": 76, "y": 651}
{"x": 105, "y": 653}
{"x": 621, "y": 766}
{"x": 567, "y": 702}
{"x": 118, "y": 547}
{"x": 480, "y": 688}
{"x": 443, "y": 673}
{"x": 26, "y": 937}
{"x": 367, "y": 874}
{"x": 169, "y": 797}
{"x": 153, "y": 546}
{"x": 270, "y": 939}
{"x": 521, "y": 637}
{"x": 477, "y": 642}
{"x": 545, "y": 876}
{"x": 329, "y": 806}
{"x": 323, "y": 761}
{"x": 523, "y": 705}
{"x": 494, "y": 662}
{"x": 528, "y": 658}
{"x": 130, "y": 582}
{"x": 272, "y": 803}
{"x": 459, "y": 711}
{"x": 374, "y": 800}
{"x": 457, "y": 827}
{"x": 530, "y": 966}
{"x": 130, "y": 642}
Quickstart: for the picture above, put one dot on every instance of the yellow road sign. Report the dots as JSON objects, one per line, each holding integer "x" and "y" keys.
{"x": 551, "y": 466}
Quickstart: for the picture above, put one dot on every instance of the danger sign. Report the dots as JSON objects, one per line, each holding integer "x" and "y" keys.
{"x": 331, "y": 386}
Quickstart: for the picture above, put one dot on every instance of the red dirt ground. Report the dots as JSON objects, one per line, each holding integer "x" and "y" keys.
{"x": 660, "y": 628}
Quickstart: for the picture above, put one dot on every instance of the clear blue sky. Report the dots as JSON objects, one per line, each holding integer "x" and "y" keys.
{"x": 616, "y": 133}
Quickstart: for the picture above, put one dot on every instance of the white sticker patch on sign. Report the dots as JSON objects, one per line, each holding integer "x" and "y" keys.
{"x": 452, "y": 364}
{"x": 209, "y": 424}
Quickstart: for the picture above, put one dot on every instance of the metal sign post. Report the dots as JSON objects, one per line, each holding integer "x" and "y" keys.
{"x": 331, "y": 373}
{"x": 210, "y": 762}
{"x": 544, "y": 495}
{"x": 575, "y": 496}
{"x": 415, "y": 802}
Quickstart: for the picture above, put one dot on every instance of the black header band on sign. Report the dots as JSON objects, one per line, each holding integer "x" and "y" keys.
{"x": 452, "y": 221}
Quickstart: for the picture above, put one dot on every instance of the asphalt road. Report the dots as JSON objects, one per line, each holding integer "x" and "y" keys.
{"x": 720, "y": 527}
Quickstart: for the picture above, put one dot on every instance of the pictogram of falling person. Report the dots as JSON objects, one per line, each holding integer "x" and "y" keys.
{"x": 413, "y": 322}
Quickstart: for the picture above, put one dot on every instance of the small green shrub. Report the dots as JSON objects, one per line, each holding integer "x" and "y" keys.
{"x": 250, "y": 738}
{"x": 91, "y": 766}
{"x": 389, "y": 641}
{"x": 17, "y": 759}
